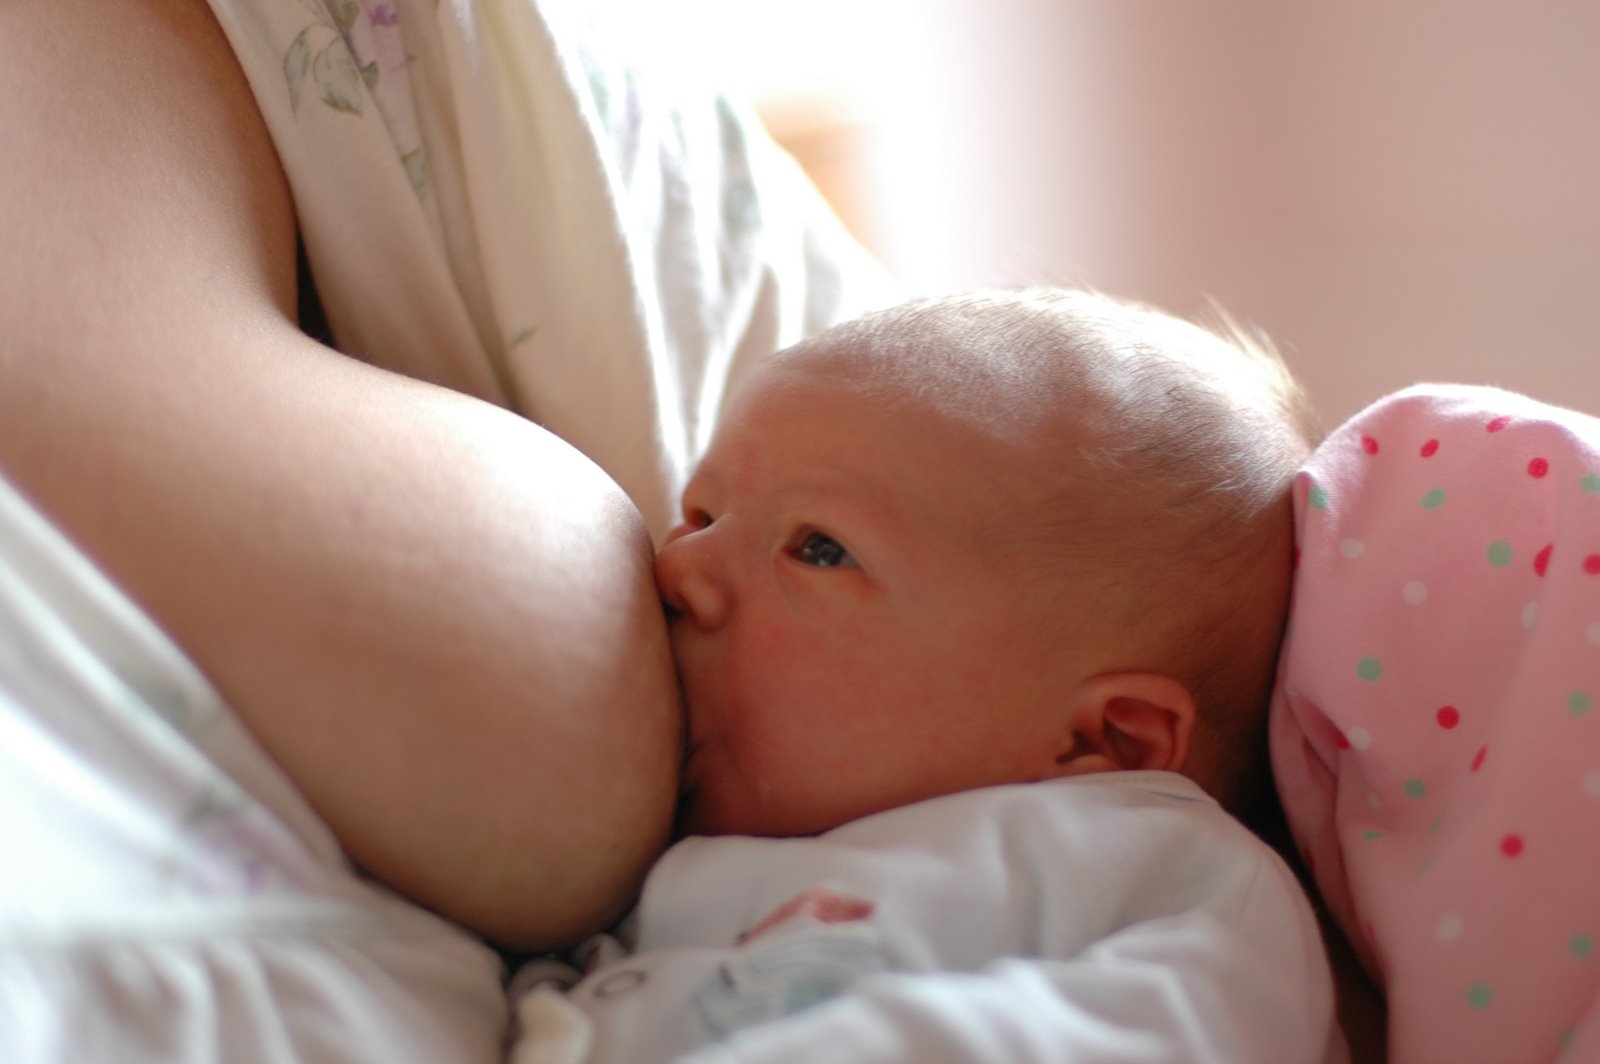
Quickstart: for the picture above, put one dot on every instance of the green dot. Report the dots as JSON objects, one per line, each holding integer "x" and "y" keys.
{"x": 1433, "y": 500}
{"x": 1371, "y": 833}
{"x": 1479, "y": 996}
{"x": 1318, "y": 498}
{"x": 1566, "y": 1040}
{"x": 1580, "y": 946}
{"x": 1580, "y": 702}
{"x": 1499, "y": 554}
{"x": 1369, "y": 669}
{"x": 1415, "y": 788}
{"x": 1591, "y": 483}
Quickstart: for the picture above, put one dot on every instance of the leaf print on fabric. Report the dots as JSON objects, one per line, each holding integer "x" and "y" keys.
{"x": 351, "y": 54}
{"x": 337, "y": 76}
{"x": 345, "y": 13}
{"x": 416, "y": 164}
{"x": 215, "y": 848}
{"x": 339, "y": 81}
{"x": 296, "y": 62}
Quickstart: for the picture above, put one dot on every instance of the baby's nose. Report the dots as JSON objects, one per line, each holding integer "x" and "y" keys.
{"x": 689, "y": 578}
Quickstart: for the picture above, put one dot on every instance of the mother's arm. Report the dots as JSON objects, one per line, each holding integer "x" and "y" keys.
{"x": 438, "y": 618}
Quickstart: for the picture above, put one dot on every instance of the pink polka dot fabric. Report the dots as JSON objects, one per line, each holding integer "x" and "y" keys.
{"x": 1436, "y": 727}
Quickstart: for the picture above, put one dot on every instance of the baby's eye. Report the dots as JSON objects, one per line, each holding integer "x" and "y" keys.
{"x": 822, "y": 551}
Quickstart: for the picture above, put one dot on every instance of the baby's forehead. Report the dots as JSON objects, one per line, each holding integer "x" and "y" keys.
{"x": 986, "y": 392}
{"x": 1019, "y": 443}
{"x": 934, "y": 437}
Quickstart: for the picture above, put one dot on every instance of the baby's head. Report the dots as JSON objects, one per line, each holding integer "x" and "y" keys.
{"x": 983, "y": 539}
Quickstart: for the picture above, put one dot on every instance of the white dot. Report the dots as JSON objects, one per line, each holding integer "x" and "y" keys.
{"x": 1359, "y": 738}
{"x": 1374, "y": 801}
{"x": 1530, "y": 615}
{"x": 1449, "y": 927}
{"x": 1352, "y": 548}
{"x": 1591, "y": 783}
{"x": 1593, "y": 633}
{"x": 1415, "y": 593}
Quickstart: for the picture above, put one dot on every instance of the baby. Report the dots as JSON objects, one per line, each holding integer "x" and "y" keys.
{"x": 976, "y": 605}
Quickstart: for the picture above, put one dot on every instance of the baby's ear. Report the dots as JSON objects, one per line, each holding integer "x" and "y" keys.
{"x": 1121, "y": 721}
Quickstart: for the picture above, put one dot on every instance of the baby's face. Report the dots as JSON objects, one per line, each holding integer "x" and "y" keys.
{"x": 849, "y": 633}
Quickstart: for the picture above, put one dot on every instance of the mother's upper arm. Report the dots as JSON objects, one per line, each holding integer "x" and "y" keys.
{"x": 438, "y": 618}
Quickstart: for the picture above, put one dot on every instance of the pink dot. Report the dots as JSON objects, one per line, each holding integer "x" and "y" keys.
{"x": 1448, "y": 717}
{"x": 1498, "y": 423}
{"x": 1538, "y": 468}
{"x": 1541, "y": 561}
{"x": 1369, "y": 445}
{"x": 1477, "y": 761}
{"x": 1591, "y": 564}
{"x": 1511, "y": 845}
{"x": 1430, "y": 448}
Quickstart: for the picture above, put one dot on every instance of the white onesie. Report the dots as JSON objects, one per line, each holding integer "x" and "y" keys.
{"x": 1115, "y": 917}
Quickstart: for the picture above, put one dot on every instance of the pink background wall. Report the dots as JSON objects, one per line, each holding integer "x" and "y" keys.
{"x": 1393, "y": 191}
